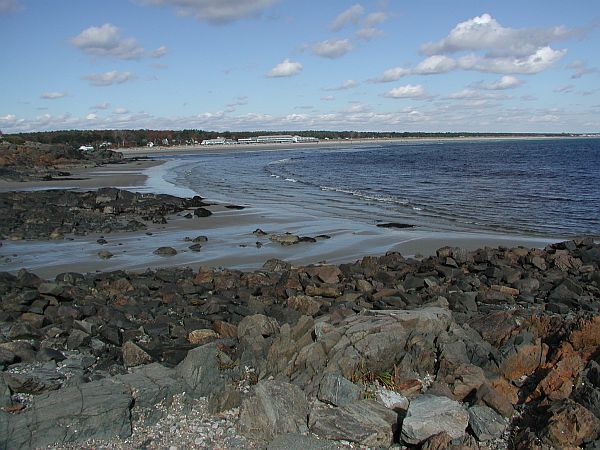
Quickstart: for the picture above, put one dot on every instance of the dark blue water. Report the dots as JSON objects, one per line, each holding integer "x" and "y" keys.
{"x": 547, "y": 187}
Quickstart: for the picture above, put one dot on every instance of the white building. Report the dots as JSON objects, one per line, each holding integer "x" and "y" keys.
{"x": 305, "y": 139}
{"x": 275, "y": 139}
{"x": 86, "y": 148}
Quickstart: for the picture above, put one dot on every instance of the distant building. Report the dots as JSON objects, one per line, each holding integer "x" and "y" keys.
{"x": 217, "y": 141}
{"x": 86, "y": 148}
{"x": 275, "y": 139}
{"x": 165, "y": 141}
{"x": 150, "y": 144}
{"x": 305, "y": 139}
{"x": 250, "y": 140}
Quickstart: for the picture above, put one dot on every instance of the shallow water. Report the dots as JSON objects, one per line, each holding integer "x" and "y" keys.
{"x": 541, "y": 187}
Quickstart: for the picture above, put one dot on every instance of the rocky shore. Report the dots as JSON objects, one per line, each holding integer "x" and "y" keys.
{"x": 495, "y": 348}
{"x": 35, "y": 161}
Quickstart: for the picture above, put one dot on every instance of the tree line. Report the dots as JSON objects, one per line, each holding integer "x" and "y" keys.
{"x": 136, "y": 138}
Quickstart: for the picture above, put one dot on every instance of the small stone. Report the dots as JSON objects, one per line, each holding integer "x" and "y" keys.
{"x": 165, "y": 251}
{"x": 199, "y": 239}
{"x": 105, "y": 254}
{"x": 392, "y": 400}
{"x": 195, "y": 247}
{"x": 200, "y": 337}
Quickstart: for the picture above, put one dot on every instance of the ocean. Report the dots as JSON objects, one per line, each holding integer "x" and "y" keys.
{"x": 538, "y": 187}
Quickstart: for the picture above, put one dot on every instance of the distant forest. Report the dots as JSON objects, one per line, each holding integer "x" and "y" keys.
{"x": 136, "y": 138}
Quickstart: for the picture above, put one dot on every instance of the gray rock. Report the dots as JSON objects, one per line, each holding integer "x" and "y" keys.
{"x": 486, "y": 423}
{"x": 4, "y": 394}
{"x": 392, "y": 400}
{"x": 285, "y": 239}
{"x": 96, "y": 410}
{"x": 428, "y": 415}
{"x": 299, "y": 442}
{"x": 338, "y": 391}
{"x": 274, "y": 408}
{"x": 365, "y": 422}
{"x": 34, "y": 379}
{"x": 201, "y": 370}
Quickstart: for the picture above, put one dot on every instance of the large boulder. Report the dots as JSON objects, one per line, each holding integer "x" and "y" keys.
{"x": 274, "y": 408}
{"x": 365, "y": 422}
{"x": 96, "y": 410}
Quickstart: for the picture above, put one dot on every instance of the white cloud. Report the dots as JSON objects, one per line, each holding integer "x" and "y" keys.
{"x": 106, "y": 40}
{"x": 350, "y": 15}
{"x": 333, "y": 48}
{"x": 542, "y": 59}
{"x": 109, "y": 78}
{"x": 8, "y": 6}
{"x": 486, "y": 34}
{"x": 433, "y": 65}
{"x": 505, "y": 82}
{"x": 328, "y": 98}
{"x": 120, "y": 111}
{"x": 159, "y": 52}
{"x": 286, "y": 68}
{"x": 53, "y": 95}
{"x": 406, "y": 91}
{"x": 565, "y": 89}
{"x": 101, "y": 106}
{"x": 215, "y": 11}
{"x": 91, "y": 116}
{"x": 348, "y": 84}
{"x": 375, "y": 19}
{"x": 475, "y": 94}
{"x": 368, "y": 33}
{"x": 580, "y": 68}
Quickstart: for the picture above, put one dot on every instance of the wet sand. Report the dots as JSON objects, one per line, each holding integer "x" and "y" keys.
{"x": 127, "y": 174}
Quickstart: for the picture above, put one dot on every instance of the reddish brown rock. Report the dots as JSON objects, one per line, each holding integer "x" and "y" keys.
{"x": 225, "y": 329}
{"x": 570, "y": 425}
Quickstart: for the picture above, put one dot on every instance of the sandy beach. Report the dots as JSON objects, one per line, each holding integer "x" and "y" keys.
{"x": 325, "y": 144}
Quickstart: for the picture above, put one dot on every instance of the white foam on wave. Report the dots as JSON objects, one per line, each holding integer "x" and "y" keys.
{"x": 291, "y": 180}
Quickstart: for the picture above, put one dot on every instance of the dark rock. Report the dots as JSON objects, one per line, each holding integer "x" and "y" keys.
{"x": 165, "y": 251}
{"x": 195, "y": 247}
{"x": 290, "y": 441}
{"x": 395, "y": 225}
{"x": 105, "y": 254}
{"x": 202, "y": 212}
{"x": 486, "y": 423}
{"x": 134, "y": 355}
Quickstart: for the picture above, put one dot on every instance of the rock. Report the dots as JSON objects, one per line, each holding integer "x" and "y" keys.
{"x": 195, "y": 247}
{"x": 486, "y": 423}
{"x": 274, "y": 408}
{"x": 338, "y": 391}
{"x": 395, "y": 225}
{"x": 290, "y": 441}
{"x": 570, "y": 425}
{"x": 257, "y": 325}
{"x": 105, "y": 254}
{"x": 203, "y": 372}
{"x": 225, "y": 329}
{"x": 96, "y": 410}
{"x": 202, "y": 212}
{"x": 165, "y": 251}
{"x": 276, "y": 265}
{"x": 304, "y": 304}
{"x": 34, "y": 380}
{"x": 200, "y": 239}
{"x": 285, "y": 239}
{"x": 365, "y": 422}
{"x": 199, "y": 337}
{"x": 392, "y": 400}
{"x": 327, "y": 273}
{"x": 259, "y": 232}
{"x": 133, "y": 355}
{"x": 428, "y": 415}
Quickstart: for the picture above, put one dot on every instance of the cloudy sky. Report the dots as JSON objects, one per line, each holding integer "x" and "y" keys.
{"x": 396, "y": 65}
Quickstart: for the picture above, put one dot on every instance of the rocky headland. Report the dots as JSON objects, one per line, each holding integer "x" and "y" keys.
{"x": 35, "y": 161}
{"x": 494, "y": 348}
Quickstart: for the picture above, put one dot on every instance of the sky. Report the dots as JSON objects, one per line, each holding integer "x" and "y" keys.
{"x": 395, "y": 65}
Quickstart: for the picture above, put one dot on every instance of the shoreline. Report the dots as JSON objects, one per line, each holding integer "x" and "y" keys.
{"x": 231, "y": 242}
{"x": 202, "y": 149}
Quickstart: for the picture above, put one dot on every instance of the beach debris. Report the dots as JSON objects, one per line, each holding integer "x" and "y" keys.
{"x": 105, "y": 254}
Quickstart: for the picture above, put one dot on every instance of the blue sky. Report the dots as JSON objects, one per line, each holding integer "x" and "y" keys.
{"x": 397, "y": 65}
